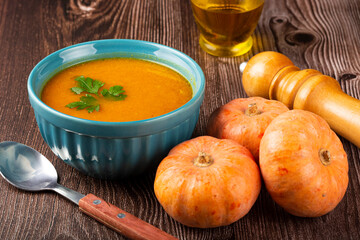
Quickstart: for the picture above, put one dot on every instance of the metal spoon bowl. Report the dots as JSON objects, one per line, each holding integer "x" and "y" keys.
{"x": 18, "y": 167}
{"x": 27, "y": 169}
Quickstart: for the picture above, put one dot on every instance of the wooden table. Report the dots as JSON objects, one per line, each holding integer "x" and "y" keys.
{"x": 322, "y": 34}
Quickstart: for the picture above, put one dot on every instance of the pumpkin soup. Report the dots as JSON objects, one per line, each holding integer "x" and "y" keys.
{"x": 116, "y": 90}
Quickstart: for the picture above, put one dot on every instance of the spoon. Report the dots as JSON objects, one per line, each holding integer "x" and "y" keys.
{"x": 27, "y": 169}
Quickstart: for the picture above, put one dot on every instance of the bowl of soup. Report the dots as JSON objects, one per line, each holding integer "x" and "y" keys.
{"x": 114, "y": 108}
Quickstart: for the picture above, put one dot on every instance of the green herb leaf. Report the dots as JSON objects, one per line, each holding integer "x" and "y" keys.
{"x": 88, "y": 99}
{"x": 115, "y": 93}
{"x": 87, "y": 85}
{"x": 92, "y": 108}
{"x": 92, "y": 86}
{"x": 87, "y": 102}
{"x": 77, "y": 90}
{"x": 104, "y": 92}
{"x": 116, "y": 90}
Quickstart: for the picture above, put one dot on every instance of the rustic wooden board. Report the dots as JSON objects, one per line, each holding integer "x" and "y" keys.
{"x": 322, "y": 34}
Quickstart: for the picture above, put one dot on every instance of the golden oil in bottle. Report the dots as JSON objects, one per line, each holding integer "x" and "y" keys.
{"x": 226, "y": 26}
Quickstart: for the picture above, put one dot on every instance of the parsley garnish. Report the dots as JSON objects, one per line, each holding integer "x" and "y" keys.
{"x": 87, "y": 102}
{"x": 89, "y": 85}
{"x": 114, "y": 93}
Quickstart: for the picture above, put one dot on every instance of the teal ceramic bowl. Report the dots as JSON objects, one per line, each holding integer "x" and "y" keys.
{"x": 114, "y": 150}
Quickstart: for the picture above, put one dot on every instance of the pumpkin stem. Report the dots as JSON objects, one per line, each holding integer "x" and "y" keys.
{"x": 203, "y": 160}
{"x": 324, "y": 156}
{"x": 252, "y": 110}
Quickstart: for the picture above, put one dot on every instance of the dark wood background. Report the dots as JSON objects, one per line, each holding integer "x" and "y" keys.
{"x": 321, "y": 34}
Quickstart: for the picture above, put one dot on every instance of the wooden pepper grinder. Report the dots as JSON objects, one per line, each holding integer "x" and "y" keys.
{"x": 272, "y": 75}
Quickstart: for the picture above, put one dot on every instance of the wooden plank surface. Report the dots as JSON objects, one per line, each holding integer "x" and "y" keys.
{"x": 322, "y": 34}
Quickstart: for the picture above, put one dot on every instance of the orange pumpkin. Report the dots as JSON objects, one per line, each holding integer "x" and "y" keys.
{"x": 207, "y": 182}
{"x": 303, "y": 164}
{"x": 244, "y": 120}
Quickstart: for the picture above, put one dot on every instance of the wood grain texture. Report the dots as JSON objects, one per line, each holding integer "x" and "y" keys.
{"x": 322, "y": 34}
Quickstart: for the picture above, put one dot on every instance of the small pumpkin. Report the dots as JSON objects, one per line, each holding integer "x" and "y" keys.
{"x": 244, "y": 120}
{"x": 303, "y": 164}
{"x": 207, "y": 182}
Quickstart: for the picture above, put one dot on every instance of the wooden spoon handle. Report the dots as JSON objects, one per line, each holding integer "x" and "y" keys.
{"x": 119, "y": 220}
